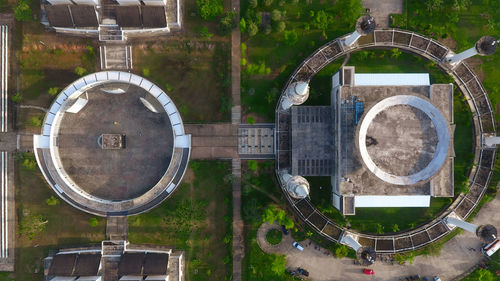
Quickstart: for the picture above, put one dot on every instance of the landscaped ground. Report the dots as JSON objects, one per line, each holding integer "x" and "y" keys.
{"x": 259, "y": 191}
{"x": 282, "y": 52}
{"x": 44, "y": 222}
{"x": 197, "y": 218}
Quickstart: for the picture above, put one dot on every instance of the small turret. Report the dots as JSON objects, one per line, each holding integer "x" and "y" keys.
{"x": 296, "y": 94}
{"x": 364, "y": 26}
{"x": 297, "y": 186}
{"x": 485, "y": 46}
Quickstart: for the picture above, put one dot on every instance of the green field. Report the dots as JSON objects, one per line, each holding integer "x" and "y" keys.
{"x": 197, "y": 219}
{"x": 60, "y": 225}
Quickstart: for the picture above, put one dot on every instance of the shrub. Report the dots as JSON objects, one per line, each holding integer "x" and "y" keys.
{"x": 268, "y": 2}
{"x": 146, "y": 72}
{"x": 395, "y": 53}
{"x": 22, "y": 11}
{"x": 276, "y": 15}
{"x": 36, "y": 121}
{"x": 243, "y": 25}
{"x": 252, "y": 29}
{"x": 253, "y": 3}
{"x": 31, "y": 224}
{"x": 243, "y": 62}
{"x": 395, "y": 228}
{"x": 80, "y": 71}
{"x": 17, "y": 98}
{"x": 252, "y": 164}
{"x": 267, "y": 29}
{"x": 280, "y": 26}
{"x": 93, "y": 222}
{"x": 291, "y": 37}
{"x": 53, "y": 91}
{"x": 274, "y": 236}
{"x": 278, "y": 264}
{"x": 228, "y": 22}
{"x": 205, "y": 34}
{"x": 52, "y": 201}
{"x": 251, "y": 120}
{"x": 209, "y": 9}
{"x": 243, "y": 49}
{"x": 258, "y": 69}
{"x": 169, "y": 87}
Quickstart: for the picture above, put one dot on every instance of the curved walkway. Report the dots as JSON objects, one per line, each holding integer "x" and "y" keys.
{"x": 457, "y": 256}
{"x": 484, "y": 124}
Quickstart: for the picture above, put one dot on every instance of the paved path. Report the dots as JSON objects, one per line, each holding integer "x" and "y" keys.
{"x": 33, "y": 107}
{"x": 213, "y": 141}
{"x": 457, "y": 256}
{"x": 238, "y": 237}
{"x": 381, "y": 9}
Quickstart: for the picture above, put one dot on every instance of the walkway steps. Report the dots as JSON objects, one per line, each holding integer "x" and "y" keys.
{"x": 116, "y": 56}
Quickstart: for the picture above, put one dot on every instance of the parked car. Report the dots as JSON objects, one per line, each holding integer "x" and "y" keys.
{"x": 436, "y": 278}
{"x": 297, "y": 245}
{"x": 368, "y": 271}
{"x": 303, "y": 271}
{"x": 284, "y": 230}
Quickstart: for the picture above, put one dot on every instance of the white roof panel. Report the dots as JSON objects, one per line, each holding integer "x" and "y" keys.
{"x": 392, "y": 201}
{"x": 391, "y": 79}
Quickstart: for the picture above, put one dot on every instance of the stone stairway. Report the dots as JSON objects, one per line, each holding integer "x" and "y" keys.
{"x": 116, "y": 56}
{"x": 110, "y": 32}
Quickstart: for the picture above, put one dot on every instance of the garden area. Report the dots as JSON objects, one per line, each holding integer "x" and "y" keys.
{"x": 197, "y": 218}
{"x": 45, "y": 222}
{"x": 276, "y": 36}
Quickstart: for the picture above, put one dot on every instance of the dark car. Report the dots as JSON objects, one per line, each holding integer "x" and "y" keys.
{"x": 285, "y": 231}
{"x": 303, "y": 271}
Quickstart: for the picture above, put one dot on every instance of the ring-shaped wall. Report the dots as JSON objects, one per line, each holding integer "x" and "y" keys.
{"x": 441, "y": 149}
{"x": 483, "y": 121}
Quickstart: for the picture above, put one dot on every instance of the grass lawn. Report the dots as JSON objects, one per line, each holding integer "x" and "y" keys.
{"x": 47, "y": 60}
{"x": 64, "y": 225}
{"x": 195, "y": 71}
{"x": 260, "y": 92}
{"x": 197, "y": 219}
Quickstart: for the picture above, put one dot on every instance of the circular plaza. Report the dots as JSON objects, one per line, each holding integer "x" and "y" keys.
{"x": 113, "y": 144}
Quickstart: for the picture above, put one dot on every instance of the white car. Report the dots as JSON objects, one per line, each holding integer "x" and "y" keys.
{"x": 297, "y": 245}
{"x": 437, "y": 278}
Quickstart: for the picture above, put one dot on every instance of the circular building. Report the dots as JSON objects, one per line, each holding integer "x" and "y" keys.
{"x": 113, "y": 144}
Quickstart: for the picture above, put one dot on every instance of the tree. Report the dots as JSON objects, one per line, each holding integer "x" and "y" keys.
{"x": 243, "y": 25}
{"x": 268, "y": 2}
{"x": 251, "y": 120}
{"x": 253, "y": 3}
{"x": 22, "y": 11}
{"x": 228, "y": 22}
{"x": 434, "y": 5}
{"x": 209, "y": 9}
{"x": 351, "y": 10}
{"x": 280, "y": 26}
{"x": 276, "y": 15}
{"x": 31, "y": 225}
{"x": 321, "y": 20}
{"x": 278, "y": 264}
{"x": 252, "y": 29}
{"x": 36, "y": 121}
{"x": 291, "y": 37}
{"x": 341, "y": 251}
{"x": 17, "y": 98}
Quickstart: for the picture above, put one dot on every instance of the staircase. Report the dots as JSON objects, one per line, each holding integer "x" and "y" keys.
{"x": 110, "y": 32}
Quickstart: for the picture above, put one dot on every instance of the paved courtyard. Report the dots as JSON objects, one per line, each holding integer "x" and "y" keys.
{"x": 381, "y": 9}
